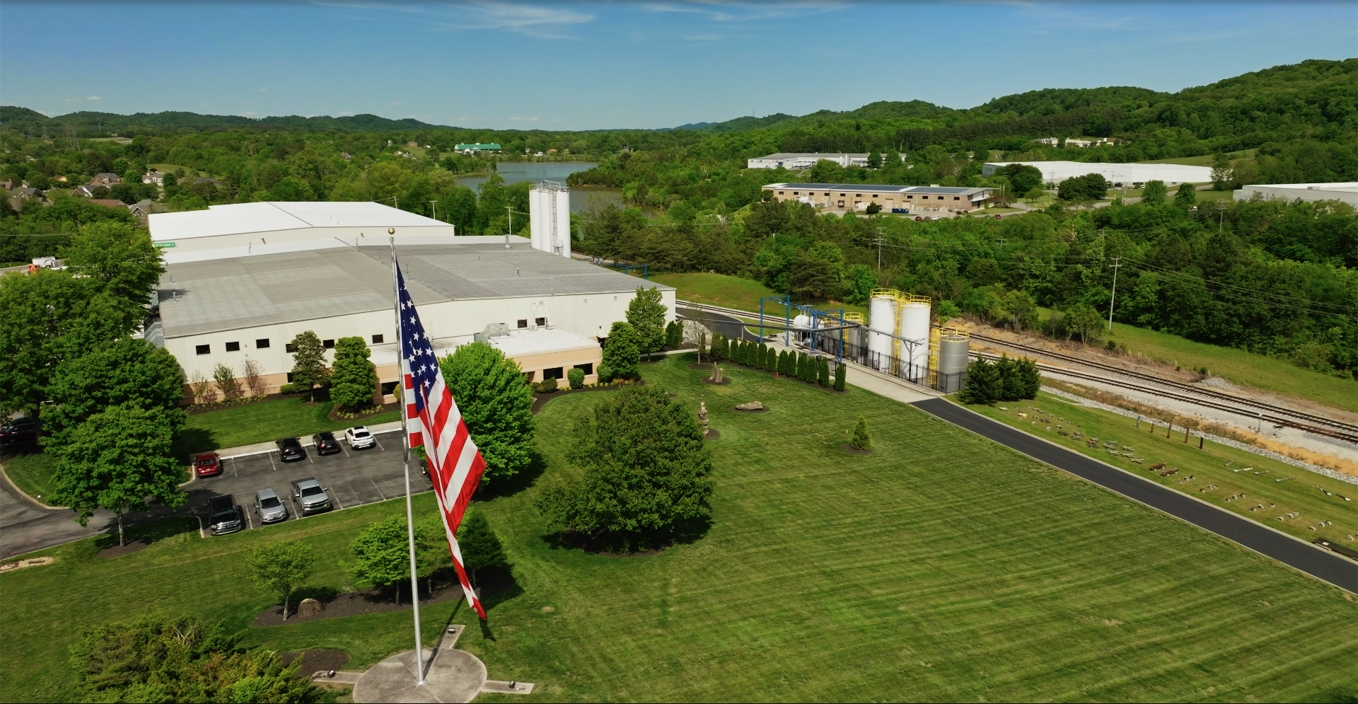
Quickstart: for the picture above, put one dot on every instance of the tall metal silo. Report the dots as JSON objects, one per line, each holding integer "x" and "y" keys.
{"x": 914, "y": 327}
{"x": 882, "y": 308}
{"x": 549, "y": 207}
{"x": 953, "y": 353}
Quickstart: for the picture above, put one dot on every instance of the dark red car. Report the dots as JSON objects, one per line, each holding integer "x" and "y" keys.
{"x": 207, "y": 465}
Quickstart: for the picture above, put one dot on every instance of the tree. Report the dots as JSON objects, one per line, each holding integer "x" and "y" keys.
{"x": 1186, "y": 196}
{"x": 1034, "y": 194}
{"x": 118, "y": 458}
{"x": 576, "y": 377}
{"x": 1221, "y": 172}
{"x": 983, "y": 384}
{"x": 646, "y": 478}
{"x": 254, "y": 378}
{"x": 1029, "y": 379}
{"x": 382, "y": 553}
{"x": 1083, "y": 320}
{"x": 1083, "y": 188}
{"x": 823, "y": 377}
{"x": 839, "y": 377}
{"x": 702, "y": 345}
{"x": 674, "y": 334}
{"x": 308, "y": 363}
{"x": 121, "y": 262}
{"x": 873, "y": 209}
{"x": 128, "y": 371}
{"x": 858, "y": 284}
{"x": 496, "y": 405}
{"x": 861, "y": 440}
{"x": 226, "y": 382}
{"x": 622, "y": 351}
{"x": 1023, "y": 178}
{"x": 354, "y": 379}
{"x": 646, "y": 315}
{"x": 1153, "y": 193}
{"x": 280, "y": 568}
{"x": 481, "y": 548}
{"x": 874, "y": 160}
{"x": 181, "y": 660}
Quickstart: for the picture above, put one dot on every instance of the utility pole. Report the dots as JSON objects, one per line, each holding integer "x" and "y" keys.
{"x": 881, "y": 238}
{"x": 509, "y": 209}
{"x": 1117, "y": 262}
{"x": 435, "y": 205}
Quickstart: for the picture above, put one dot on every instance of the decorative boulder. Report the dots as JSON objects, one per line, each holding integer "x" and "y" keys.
{"x": 310, "y": 607}
{"x": 751, "y": 406}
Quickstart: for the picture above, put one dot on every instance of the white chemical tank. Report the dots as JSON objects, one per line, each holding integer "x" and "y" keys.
{"x": 549, "y": 214}
{"x": 881, "y": 319}
{"x": 952, "y": 359}
{"x": 914, "y": 327}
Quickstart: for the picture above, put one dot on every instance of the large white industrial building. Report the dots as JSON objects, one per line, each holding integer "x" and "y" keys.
{"x": 1343, "y": 192}
{"x": 804, "y": 160}
{"x": 1119, "y": 175}
{"x": 249, "y": 297}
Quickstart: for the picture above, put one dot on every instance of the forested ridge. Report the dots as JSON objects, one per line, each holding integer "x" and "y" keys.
{"x": 1269, "y": 277}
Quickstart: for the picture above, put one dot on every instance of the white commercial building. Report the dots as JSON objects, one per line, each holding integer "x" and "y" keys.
{"x": 237, "y": 303}
{"x": 1119, "y": 175}
{"x": 805, "y": 160}
{"x": 1343, "y": 192}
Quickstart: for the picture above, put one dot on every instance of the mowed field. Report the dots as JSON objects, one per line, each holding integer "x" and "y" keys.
{"x": 939, "y": 567}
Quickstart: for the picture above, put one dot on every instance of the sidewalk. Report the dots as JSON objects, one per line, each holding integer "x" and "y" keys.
{"x": 261, "y": 448}
{"x": 872, "y": 380}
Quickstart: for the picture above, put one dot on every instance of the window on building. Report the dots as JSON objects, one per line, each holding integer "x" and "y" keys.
{"x": 262, "y": 343}
{"x": 328, "y": 344}
{"x": 782, "y": 193}
{"x": 233, "y": 347}
{"x": 956, "y": 198}
{"x": 388, "y": 388}
{"x": 289, "y": 347}
{"x": 539, "y": 321}
{"x": 588, "y": 368}
{"x": 289, "y": 377}
{"x": 553, "y": 373}
{"x": 924, "y": 197}
{"x": 202, "y": 349}
{"x": 377, "y": 339}
{"x": 796, "y": 193}
{"x": 523, "y": 323}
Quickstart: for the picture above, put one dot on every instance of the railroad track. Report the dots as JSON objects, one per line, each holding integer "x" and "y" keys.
{"x": 1161, "y": 393}
{"x": 1278, "y": 415}
{"x": 1260, "y": 407}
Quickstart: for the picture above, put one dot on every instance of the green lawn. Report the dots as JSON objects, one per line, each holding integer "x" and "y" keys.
{"x": 734, "y": 292}
{"x": 32, "y": 474}
{"x": 264, "y": 421}
{"x": 940, "y": 567}
{"x": 1240, "y": 367}
{"x": 174, "y": 168}
{"x": 1213, "y": 465}
{"x": 1203, "y": 160}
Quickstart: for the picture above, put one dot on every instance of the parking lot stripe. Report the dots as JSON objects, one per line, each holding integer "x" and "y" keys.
{"x": 234, "y": 473}
{"x": 379, "y": 491}
{"x": 335, "y": 495}
{"x": 346, "y": 452}
{"x": 271, "y": 464}
{"x": 248, "y": 522}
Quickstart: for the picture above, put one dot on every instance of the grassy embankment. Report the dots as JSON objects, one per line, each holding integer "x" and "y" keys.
{"x": 1278, "y": 489}
{"x": 1203, "y": 159}
{"x": 1237, "y": 366}
{"x": 941, "y": 566}
{"x": 262, "y": 421}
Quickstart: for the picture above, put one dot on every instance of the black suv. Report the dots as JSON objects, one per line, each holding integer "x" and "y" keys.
{"x": 290, "y": 449}
{"x": 326, "y": 444}
{"x": 18, "y": 432}
{"x": 223, "y": 515}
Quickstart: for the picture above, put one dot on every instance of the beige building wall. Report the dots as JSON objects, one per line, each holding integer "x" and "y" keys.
{"x": 851, "y": 200}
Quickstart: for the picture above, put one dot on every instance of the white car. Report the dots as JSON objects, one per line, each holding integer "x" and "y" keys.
{"x": 359, "y": 438}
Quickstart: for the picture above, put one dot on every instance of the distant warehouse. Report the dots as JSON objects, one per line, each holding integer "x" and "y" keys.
{"x": 1343, "y": 192}
{"x": 891, "y": 199}
{"x": 1119, "y": 175}
{"x": 805, "y": 160}
{"x": 234, "y": 291}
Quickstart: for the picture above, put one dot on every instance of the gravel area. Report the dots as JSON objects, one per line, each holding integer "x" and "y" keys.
{"x": 1214, "y": 438}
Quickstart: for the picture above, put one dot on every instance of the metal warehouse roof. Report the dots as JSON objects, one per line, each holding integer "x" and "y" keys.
{"x": 875, "y": 188}
{"x": 246, "y": 218}
{"x": 227, "y": 294}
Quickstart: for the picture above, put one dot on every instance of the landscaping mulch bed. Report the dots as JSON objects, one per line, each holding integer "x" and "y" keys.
{"x": 723, "y": 382}
{"x": 335, "y": 416}
{"x": 853, "y": 451}
{"x": 749, "y": 410}
{"x": 131, "y": 547}
{"x": 712, "y": 434}
{"x": 316, "y": 660}
{"x": 352, "y": 604}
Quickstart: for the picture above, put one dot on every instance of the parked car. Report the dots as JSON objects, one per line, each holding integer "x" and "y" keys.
{"x": 207, "y": 464}
{"x": 326, "y": 444}
{"x": 271, "y": 508}
{"x": 310, "y": 497}
{"x": 359, "y": 437}
{"x": 223, "y": 515}
{"x": 290, "y": 449}
{"x": 18, "y": 432}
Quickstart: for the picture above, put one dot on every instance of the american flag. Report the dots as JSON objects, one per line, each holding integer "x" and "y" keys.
{"x": 455, "y": 465}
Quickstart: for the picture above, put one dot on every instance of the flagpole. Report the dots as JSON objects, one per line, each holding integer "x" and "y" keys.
{"x": 405, "y": 442}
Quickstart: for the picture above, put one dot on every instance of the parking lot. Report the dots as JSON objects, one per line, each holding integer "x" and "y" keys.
{"x": 350, "y": 477}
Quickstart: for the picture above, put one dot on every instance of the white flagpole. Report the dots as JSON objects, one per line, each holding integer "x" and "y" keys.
{"x": 405, "y": 442}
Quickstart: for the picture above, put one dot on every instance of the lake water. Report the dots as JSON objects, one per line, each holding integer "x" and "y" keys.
{"x": 582, "y": 197}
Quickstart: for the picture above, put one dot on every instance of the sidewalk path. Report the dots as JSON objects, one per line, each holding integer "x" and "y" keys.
{"x": 1321, "y": 564}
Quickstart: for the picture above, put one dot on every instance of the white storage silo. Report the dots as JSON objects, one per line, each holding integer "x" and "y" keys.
{"x": 914, "y": 328}
{"x": 882, "y": 319}
{"x": 549, "y": 208}
{"x": 535, "y": 211}
{"x": 953, "y": 352}
{"x": 561, "y": 234}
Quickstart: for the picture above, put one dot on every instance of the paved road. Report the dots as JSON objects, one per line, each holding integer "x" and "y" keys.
{"x": 352, "y": 478}
{"x": 1321, "y": 564}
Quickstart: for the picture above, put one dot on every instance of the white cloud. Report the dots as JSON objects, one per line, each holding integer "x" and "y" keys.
{"x": 723, "y": 11}
{"x": 524, "y": 119}
{"x": 538, "y": 21}
{"x": 264, "y": 90}
{"x": 94, "y": 97}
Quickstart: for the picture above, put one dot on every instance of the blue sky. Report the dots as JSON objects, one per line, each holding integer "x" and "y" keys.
{"x": 562, "y": 65}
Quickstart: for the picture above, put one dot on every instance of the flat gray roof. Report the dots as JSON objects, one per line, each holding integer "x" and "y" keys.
{"x": 228, "y": 294}
{"x": 875, "y": 188}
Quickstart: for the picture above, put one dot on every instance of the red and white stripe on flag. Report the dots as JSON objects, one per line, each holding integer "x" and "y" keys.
{"x": 455, "y": 463}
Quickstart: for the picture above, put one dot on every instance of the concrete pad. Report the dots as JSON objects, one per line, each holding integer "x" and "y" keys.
{"x": 454, "y": 676}
{"x": 501, "y": 687}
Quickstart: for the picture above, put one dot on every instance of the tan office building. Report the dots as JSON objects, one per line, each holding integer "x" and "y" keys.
{"x": 856, "y": 197}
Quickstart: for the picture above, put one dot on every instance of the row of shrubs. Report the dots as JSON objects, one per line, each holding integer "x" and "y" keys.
{"x": 1004, "y": 379}
{"x": 796, "y": 365}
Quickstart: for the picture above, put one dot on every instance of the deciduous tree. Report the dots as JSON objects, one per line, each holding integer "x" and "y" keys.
{"x": 622, "y": 351}
{"x": 279, "y": 568}
{"x": 354, "y": 379}
{"x": 382, "y": 553}
{"x": 309, "y": 369}
{"x": 496, "y": 405}
{"x": 481, "y": 548}
{"x": 646, "y": 315}
{"x": 126, "y": 371}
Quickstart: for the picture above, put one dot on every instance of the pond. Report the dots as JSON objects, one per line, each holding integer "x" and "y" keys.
{"x": 582, "y": 197}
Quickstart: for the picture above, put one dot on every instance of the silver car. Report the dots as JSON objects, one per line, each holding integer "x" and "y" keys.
{"x": 271, "y": 508}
